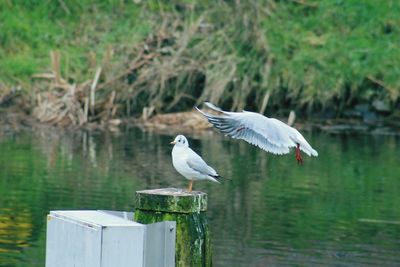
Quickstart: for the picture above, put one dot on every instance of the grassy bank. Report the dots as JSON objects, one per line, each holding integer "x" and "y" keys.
{"x": 83, "y": 31}
{"x": 331, "y": 53}
{"x": 312, "y": 56}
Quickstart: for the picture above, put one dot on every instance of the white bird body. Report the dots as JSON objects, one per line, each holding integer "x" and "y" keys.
{"x": 189, "y": 164}
{"x": 269, "y": 134}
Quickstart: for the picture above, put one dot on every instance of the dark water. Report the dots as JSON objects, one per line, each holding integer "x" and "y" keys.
{"x": 340, "y": 209}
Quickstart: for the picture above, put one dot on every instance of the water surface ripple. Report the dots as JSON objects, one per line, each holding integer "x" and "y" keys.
{"x": 340, "y": 209}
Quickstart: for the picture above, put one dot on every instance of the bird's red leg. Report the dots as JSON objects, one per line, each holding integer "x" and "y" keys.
{"x": 298, "y": 155}
{"x": 190, "y": 186}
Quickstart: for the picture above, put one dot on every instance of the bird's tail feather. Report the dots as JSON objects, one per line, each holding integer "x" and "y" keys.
{"x": 314, "y": 152}
{"x": 309, "y": 150}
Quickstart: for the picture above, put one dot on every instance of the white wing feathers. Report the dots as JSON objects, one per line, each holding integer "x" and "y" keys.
{"x": 268, "y": 134}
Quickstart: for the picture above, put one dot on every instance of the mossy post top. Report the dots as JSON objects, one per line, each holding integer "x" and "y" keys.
{"x": 171, "y": 200}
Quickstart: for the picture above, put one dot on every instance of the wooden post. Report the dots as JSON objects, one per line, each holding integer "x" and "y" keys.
{"x": 193, "y": 246}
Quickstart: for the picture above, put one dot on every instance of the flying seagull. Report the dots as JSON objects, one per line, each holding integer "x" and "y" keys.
{"x": 269, "y": 134}
{"x": 189, "y": 164}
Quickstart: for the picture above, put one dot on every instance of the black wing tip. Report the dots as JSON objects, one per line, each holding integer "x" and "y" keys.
{"x": 197, "y": 108}
{"x": 219, "y": 177}
{"x": 208, "y": 116}
{"x": 207, "y": 103}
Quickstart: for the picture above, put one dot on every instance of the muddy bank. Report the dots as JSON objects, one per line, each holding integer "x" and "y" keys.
{"x": 192, "y": 121}
{"x": 13, "y": 120}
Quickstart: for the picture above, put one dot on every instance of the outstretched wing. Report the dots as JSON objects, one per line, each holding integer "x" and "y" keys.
{"x": 268, "y": 134}
{"x": 240, "y": 125}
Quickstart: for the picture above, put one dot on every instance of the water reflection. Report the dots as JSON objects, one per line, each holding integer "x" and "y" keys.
{"x": 335, "y": 210}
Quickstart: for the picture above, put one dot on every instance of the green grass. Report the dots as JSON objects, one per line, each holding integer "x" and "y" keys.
{"x": 328, "y": 52}
{"x": 31, "y": 29}
{"x": 322, "y": 54}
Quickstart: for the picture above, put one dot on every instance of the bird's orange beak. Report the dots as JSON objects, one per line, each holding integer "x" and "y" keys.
{"x": 173, "y": 143}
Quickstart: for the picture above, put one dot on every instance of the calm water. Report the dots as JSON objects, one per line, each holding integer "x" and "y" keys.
{"x": 340, "y": 209}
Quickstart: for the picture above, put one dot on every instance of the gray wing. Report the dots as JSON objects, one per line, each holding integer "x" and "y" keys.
{"x": 196, "y": 163}
{"x": 248, "y": 126}
{"x": 268, "y": 134}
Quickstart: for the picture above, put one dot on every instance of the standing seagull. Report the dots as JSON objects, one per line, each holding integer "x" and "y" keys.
{"x": 189, "y": 164}
{"x": 269, "y": 134}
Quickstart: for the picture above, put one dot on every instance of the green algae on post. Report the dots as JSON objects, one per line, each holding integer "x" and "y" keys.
{"x": 193, "y": 246}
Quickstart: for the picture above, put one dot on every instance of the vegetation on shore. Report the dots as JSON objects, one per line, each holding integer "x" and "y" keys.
{"x": 116, "y": 58}
{"x": 83, "y": 32}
